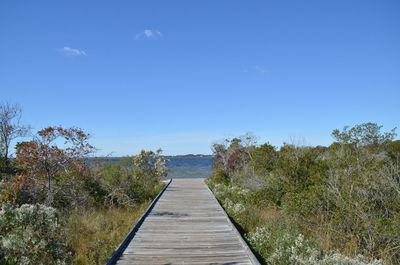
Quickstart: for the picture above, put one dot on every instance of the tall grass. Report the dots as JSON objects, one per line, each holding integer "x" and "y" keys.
{"x": 94, "y": 234}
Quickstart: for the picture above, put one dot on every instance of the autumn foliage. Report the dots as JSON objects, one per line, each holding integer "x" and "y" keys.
{"x": 53, "y": 153}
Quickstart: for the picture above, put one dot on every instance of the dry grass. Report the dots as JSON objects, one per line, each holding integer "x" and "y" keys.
{"x": 328, "y": 238}
{"x": 258, "y": 216}
{"x": 268, "y": 214}
{"x": 93, "y": 235}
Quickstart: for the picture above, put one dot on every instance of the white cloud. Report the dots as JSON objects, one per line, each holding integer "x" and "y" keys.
{"x": 260, "y": 69}
{"x": 256, "y": 69}
{"x": 71, "y": 52}
{"x": 149, "y": 34}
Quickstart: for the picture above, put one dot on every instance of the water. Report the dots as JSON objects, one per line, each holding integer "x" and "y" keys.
{"x": 189, "y": 166}
{"x": 185, "y": 166}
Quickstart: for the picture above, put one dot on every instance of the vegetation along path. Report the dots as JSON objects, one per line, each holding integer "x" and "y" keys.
{"x": 187, "y": 226}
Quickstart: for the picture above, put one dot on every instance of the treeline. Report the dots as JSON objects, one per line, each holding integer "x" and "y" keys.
{"x": 55, "y": 209}
{"x": 315, "y": 205}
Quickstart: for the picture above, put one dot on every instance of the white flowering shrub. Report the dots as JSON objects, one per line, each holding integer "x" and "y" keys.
{"x": 275, "y": 242}
{"x": 235, "y": 209}
{"x": 233, "y": 192}
{"x": 233, "y": 199}
{"x": 219, "y": 190}
{"x": 282, "y": 245}
{"x": 339, "y": 259}
{"x": 31, "y": 235}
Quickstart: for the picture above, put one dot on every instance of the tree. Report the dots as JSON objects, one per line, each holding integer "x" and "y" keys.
{"x": 53, "y": 151}
{"x": 264, "y": 158}
{"x": 366, "y": 134}
{"x": 150, "y": 164}
{"x": 10, "y": 128}
{"x": 133, "y": 179}
{"x": 235, "y": 155}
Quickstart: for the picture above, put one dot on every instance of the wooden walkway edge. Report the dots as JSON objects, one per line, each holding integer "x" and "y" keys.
{"x": 121, "y": 248}
{"x": 185, "y": 224}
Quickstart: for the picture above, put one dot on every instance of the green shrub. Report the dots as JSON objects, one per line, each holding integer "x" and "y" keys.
{"x": 271, "y": 193}
{"x": 346, "y": 195}
{"x": 306, "y": 203}
{"x": 132, "y": 180}
{"x": 219, "y": 177}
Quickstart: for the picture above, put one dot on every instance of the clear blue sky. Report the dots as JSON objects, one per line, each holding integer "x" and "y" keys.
{"x": 182, "y": 74}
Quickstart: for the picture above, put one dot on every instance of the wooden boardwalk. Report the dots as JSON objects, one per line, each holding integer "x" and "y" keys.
{"x": 187, "y": 226}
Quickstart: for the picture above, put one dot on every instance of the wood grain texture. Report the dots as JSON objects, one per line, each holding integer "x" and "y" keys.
{"x": 187, "y": 226}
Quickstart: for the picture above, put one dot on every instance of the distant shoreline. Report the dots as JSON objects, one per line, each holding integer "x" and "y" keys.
{"x": 166, "y": 156}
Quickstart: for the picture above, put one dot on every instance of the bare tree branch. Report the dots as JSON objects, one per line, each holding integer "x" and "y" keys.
{"x": 10, "y": 128}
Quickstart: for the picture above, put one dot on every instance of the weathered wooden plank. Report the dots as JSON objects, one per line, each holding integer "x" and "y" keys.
{"x": 187, "y": 226}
